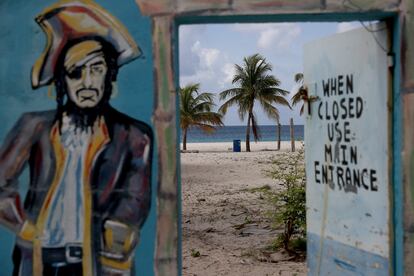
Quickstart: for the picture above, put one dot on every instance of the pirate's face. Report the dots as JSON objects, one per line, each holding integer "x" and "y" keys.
{"x": 85, "y": 72}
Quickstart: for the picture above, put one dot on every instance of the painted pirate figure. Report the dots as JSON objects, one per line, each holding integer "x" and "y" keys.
{"x": 90, "y": 165}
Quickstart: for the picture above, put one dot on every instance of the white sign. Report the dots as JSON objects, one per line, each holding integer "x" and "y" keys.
{"x": 347, "y": 143}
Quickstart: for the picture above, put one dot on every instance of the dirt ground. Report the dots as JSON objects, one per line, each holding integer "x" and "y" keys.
{"x": 224, "y": 223}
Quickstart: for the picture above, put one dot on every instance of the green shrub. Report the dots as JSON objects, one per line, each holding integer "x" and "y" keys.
{"x": 289, "y": 204}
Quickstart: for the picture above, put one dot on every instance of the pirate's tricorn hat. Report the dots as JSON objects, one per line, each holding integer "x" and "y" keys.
{"x": 66, "y": 21}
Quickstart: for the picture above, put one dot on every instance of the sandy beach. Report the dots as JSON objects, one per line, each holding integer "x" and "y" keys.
{"x": 254, "y": 147}
{"x": 225, "y": 227}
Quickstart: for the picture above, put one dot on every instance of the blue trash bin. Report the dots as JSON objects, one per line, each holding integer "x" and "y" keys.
{"x": 236, "y": 146}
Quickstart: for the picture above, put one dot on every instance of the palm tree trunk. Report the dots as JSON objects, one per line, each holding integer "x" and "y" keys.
{"x": 185, "y": 139}
{"x": 278, "y": 135}
{"x": 248, "y": 133}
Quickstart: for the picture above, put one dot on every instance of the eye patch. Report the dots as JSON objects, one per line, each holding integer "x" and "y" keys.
{"x": 75, "y": 73}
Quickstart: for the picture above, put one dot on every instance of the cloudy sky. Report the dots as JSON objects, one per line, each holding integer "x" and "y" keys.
{"x": 208, "y": 54}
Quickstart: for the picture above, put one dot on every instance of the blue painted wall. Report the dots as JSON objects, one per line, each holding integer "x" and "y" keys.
{"x": 329, "y": 257}
{"x": 22, "y": 41}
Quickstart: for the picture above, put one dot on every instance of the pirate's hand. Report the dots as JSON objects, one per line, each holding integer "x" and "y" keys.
{"x": 28, "y": 231}
{"x": 119, "y": 241}
{"x": 11, "y": 215}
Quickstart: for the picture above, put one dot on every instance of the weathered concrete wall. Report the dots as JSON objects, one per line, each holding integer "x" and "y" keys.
{"x": 408, "y": 175}
{"x": 22, "y": 44}
{"x": 407, "y": 63}
{"x": 15, "y": 99}
{"x": 237, "y": 7}
{"x": 171, "y": 9}
{"x": 166, "y": 129}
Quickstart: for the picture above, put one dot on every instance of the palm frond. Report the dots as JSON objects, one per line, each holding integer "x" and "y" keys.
{"x": 282, "y": 101}
{"x": 298, "y": 77}
{"x": 212, "y": 118}
{"x": 196, "y": 109}
{"x": 271, "y": 92}
{"x": 301, "y": 109}
{"x": 204, "y": 97}
{"x": 205, "y": 127}
{"x": 300, "y": 93}
{"x": 230, "y": 93}
{"x": 234, "y": 100}
{"x": 253, "y": 81}
{"x": 271, "y": 111}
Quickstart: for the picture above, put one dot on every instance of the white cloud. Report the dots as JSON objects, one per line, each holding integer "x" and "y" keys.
{"x": 346, "y": 26}
{"x": 267, "y": 38}
{"x": 256, "y": 27}
{"x": 188, "y": 60}
{"x": 204, "y": 77}
{"x": 228, "y": 71}
{"x": 274, "y": 35}
{"x": 208, "y": 70}
{"x": 207, "y": 56}
{"x": 195, "y": 61}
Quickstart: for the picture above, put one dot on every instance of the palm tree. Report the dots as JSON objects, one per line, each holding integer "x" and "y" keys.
{"x": 254, "y": 84}
{"x": 195, "y": 110}
{"x": 300, "y": 92}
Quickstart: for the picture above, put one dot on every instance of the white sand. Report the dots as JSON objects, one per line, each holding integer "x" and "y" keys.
{"x": 217, "y": 199}
{"x": 228, "y": 146}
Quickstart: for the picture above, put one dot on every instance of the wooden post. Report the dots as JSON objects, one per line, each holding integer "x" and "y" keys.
{"x": 278, "y": 135}
{"x": 292, "y": 135}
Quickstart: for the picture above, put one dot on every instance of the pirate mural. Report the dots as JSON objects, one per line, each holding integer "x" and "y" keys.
{"x": 90, "y": 165}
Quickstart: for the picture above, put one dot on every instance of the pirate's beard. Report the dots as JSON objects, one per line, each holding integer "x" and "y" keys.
{"x": 83, "y": 118}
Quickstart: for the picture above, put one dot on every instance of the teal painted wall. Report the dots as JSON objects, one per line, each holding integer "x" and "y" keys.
{"x": 22, "y": 41}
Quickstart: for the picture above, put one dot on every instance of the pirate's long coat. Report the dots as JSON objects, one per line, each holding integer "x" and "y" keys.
{"x": 117, "y": 173}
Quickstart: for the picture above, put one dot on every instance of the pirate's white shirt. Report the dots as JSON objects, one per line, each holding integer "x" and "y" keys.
{"x": 65, "y": 220}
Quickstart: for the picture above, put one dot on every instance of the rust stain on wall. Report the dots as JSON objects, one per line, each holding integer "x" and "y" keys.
{"x": 148, "y": 7}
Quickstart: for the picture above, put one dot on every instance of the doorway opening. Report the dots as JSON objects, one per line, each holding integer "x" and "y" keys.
{"x": 229, "y": 197}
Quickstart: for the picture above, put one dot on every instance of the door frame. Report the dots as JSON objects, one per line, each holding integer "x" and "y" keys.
{"x": 168, "y": 15}
{"x": 393, "y": 26}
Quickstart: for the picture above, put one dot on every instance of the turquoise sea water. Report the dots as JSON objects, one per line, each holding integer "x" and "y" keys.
{"x": 230, "y": 133}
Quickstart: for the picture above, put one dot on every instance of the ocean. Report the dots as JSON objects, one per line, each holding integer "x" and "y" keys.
{"x": 230, "y": 133}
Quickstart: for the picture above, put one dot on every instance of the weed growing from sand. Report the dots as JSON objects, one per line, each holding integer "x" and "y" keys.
{"x": 263, "y": 189}
{"x": 195, "y": 253}
{"x": 289, "y": 203}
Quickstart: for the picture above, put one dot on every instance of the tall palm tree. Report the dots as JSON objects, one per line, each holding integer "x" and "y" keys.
{"x": 255, "y": 84}
{"x": 300, "y": 92}
{"x": 195, "y": 111}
